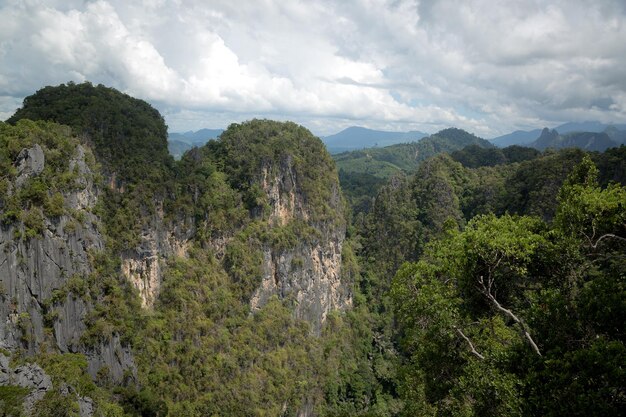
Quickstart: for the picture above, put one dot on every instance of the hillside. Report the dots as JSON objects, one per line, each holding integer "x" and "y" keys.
{"x": 616, "y": 133}
{"x": 238, "y": 280}
{"x": 132, "y": 281}
{"x": 363, "y": 172}
{"x": 456, "y": 226}
{"x": 519, "y": 137}
{"x": 354, "y": 138}
{"x": 591, "y": 141}
{"x": 179, "y": 143}
{"x": 197, "y": 138}
{"x": 384, "y": 162}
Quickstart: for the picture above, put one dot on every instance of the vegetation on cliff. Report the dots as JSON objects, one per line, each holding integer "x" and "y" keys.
{"x": 484, "y": 282}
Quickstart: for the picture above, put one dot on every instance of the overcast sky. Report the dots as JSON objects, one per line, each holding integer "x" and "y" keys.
{"x": 487, "y": 66}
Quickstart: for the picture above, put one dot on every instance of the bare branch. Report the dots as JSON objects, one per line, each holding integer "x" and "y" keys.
{"x": 470, "y": 343}
{"x": 595, "y": 245}
{"x": 518, "y": 321}
{"x": 487, "y": 293}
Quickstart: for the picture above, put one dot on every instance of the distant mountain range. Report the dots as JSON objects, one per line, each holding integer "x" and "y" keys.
{"x": 199, "y": 137}
{"x": 384, "y": 162}
{"x": 616, "y": 133}
{"x": 349, "y": 139}
{"x": 354, "y": 138}
{"x": 362, "y": 172}
{"x": 590, "y": 141}
{"x": 179, "y": 143}
{"x": 573, "y": 134}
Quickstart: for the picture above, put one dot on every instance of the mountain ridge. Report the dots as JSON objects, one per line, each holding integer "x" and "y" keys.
{"x": 616, "y": 132}
{"x": 357, "y": 137}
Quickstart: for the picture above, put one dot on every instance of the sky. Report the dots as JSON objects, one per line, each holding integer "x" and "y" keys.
{"x": 487, "y": 66}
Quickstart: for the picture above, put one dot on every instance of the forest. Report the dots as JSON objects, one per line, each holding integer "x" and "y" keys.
{"x": 454, "y": 279}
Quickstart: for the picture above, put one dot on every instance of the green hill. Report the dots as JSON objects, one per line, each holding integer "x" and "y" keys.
{"x": 480, "y": 282}
{"x": 384, "y": 162}
{"x": 362, "y": 172}
{"x": 128, "y": 135}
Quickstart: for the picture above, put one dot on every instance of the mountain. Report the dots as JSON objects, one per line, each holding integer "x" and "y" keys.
{"x": 591, "y": 141}
{"x": 519, "y": 137}
{"x": 355, "y": 137}
{"x": 236, "y": 281}
{"x": 179, "y": 143}
{"x": 177, "y": 148}
{"x": 363, "y": 172}
{"x": 199, "y": 137}
{"x": 586, "y": 127}
{"x": 385, "y": 161}
{"x": 616, "y": 134}
{"x": 122, "y": 270}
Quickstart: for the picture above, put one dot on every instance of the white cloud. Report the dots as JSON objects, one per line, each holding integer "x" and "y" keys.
{"x": 486, "y": 66}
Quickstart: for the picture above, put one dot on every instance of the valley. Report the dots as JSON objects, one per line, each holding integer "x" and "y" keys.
{"x": 256, "y": 274}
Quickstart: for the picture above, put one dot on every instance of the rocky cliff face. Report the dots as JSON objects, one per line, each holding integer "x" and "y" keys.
{"x": 160, "y": 239}
{"x": 308, "y": 273}
{"x": 36, "y": 383}
{"x": 37, "y": 303}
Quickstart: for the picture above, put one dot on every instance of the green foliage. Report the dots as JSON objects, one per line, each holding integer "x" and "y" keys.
{"x": 589, "y": 212}
{"x": 510, "y": 316}
{"x": 11, "y": 398}
{"x": 369, "y": 166}
{"x": 358, "y": 188}
{"x": 56, "y": 404}
{"x": 257, "y": 151}
{"x": 205, "y": 355}
{"x": 68, "y": 368}
{"x": 117, "y": 308}
{"x": 70, "y": 380}
{"x": 39, "y": 196}
{"x": 474, "y": 156}
{"x": 204, "y": 194}
{"x": 127, "y": 134}
{"x": 497, "y": 313}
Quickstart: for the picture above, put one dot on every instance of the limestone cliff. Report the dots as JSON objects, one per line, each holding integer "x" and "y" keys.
{"x": 160, "y": 239}
{"x": 307, "y": 271}
{"x": 42, "y": 261}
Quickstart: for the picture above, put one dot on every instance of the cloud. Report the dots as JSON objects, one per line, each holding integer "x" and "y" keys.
{"x": 486, "y": 66}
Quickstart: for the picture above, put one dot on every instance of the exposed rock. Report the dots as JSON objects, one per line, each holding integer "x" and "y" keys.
{"x": 33, "y": 270}
{"x": 85, "y": 406}
{"x": 114, "y": 357}
{"x": 591, "y": 141}
{"x": 285, "y": 200}
{"x": 85, "y": 197}
{"x": 29, "y": 376}
{"x": 29, "y": 163}
{"x": 5, "y": 370}
{"x": 308, "y": 274}
{"x": 143, "y": 266}
{"x": 35, "y": 379}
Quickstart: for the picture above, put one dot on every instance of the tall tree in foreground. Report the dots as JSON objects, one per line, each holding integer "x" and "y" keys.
{"x": 513, "y": 316}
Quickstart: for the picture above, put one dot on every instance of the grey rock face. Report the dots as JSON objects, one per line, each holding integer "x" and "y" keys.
{"x": 112, "y": 356}
{"x": 35, "y": 379}
{"x": 33, "y": 270}
{"x": 143, "y": 266}
{"x": 5, "y": 370}
{"x": 309, "y": 273}
{"x": 29, "y": 376}
{"x": 85, "y": 406}
{"x": 29, "y": 163}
